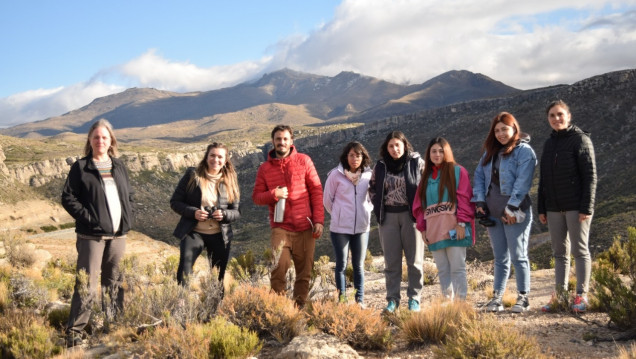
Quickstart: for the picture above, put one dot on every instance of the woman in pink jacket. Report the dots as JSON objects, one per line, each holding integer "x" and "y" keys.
{"x": 347, "y": 200}
{"x": 445, "y": 216}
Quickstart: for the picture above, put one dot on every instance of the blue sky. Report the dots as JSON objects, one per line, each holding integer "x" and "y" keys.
{"x": 59, "y": 56}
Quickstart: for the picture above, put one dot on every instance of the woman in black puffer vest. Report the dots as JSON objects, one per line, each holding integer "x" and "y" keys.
{"x": 567, "y": 187}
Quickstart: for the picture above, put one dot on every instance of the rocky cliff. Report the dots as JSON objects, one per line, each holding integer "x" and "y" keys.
{"x": 39, "y": 173}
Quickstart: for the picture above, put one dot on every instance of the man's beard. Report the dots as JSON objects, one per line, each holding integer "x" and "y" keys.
{"x": 282, "y": 153}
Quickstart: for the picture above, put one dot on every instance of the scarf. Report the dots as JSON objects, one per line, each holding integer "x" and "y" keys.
{"x": 395, "y": 166}
{"x": 208, "y": 188}
{"x": 435, "y": 172}
{"x": 354, "y": 177}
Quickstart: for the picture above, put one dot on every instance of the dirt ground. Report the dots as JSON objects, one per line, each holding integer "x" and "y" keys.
{"x": 560, "y": 335}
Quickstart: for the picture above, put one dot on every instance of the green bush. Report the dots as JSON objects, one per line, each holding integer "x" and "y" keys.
{"x": 616, "y": 296}
{"x": 24, "y": 335}
{"x": 245, "y": 268}
{"x": 264, "y": 312}
{"x": 361, "y": 328}
{"x": 48, "y": 228}
{"x": 216, "y": 339}
{"x": 59, "y": 276}
{"x": 170, "y": 265}
{"x": 67, "y": 225}
{"x": 230, "y": 341}
{"x": 58, "y": 318}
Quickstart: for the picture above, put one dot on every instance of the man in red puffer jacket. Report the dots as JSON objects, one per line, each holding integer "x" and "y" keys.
{"x": 291, "y": 176}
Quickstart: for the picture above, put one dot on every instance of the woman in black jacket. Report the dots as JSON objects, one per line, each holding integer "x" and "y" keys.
{"x": 567, "y": 188}
{"x": 98, "y": 195}
{"x": 207, "y": 198}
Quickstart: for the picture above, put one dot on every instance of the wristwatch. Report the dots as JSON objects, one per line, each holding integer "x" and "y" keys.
{"x": 461, "y": 224}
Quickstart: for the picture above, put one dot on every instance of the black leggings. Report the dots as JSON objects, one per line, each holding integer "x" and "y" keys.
{"x": 191, "y": 247}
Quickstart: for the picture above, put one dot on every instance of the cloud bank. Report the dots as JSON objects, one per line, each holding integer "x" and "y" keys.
{"x": 523, "y": 44}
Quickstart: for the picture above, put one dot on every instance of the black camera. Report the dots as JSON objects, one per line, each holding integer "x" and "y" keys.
{"x": 210, "y": 210}
{"x": 484, "y": 218}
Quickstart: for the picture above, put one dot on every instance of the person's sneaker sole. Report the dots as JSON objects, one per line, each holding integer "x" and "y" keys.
{"x": 495, "y": 310}
{"x": 516, "y": 309}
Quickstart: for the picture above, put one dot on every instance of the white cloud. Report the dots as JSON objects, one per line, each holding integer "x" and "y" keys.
{"x": 523, "y": 44}
{"x": 152, "y": 70}
{"x": 40, "y": 104}
{"x": 412, "y": 41}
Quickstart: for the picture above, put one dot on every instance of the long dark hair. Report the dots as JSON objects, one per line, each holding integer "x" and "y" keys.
{"x": 446, "y": 172}
{"x": 384, "y": 152}
{"x": 492, "y": 146}
{"x": 358, "y": 148}
{"x": 228, "y": 173}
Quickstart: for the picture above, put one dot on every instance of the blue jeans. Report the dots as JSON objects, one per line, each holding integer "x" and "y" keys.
{"x": 358, "y": 243}
{"x": 510, "y": 242}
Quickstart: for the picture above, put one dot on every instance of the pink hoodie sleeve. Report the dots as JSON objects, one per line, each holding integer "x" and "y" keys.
{"x": 418, "y": 211}
{"x": 465, "y": 208}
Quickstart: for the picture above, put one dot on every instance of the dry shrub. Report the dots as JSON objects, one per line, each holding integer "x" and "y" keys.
{"x": 247, "y": 269}
{"x": 169, "y": 302}
{"x": 174, "y": 342}
{"x": 4, "y": 296}
{"x": 217, "y": 339}
{"x": 18, "y": 253}
{"x": 264, "y": 312}
{"x": 437, "y": 322}
{"x": 170, "y": 265}
{"x": 361, "y": 328}
{"x": 25, "y": 335}
{"x": 485, "y": 337}
{"x": 508, "y": 299}
{"x": 559, "y": 302}
{"x": 59, "y": 276}
{"x": 25, "y": 293}
{"x": 58, "y": 317}
{"x": 478, "y": 275}
{"x": 627, "y": 353}
{"x": 429, "y": 272}
{"x": 322, "y": 279}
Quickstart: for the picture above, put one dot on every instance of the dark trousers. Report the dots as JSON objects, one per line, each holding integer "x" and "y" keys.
{"x": 191, "y": 247}
{"x": 95, "y": 256}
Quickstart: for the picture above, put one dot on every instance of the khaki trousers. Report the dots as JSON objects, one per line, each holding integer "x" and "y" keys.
{"x": 299, "y": 247}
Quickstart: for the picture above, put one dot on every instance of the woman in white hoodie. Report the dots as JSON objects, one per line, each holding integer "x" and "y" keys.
{"x": 346, "y": 198}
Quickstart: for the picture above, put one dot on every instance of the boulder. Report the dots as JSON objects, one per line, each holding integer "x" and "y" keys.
{"x": 318, "y": 346}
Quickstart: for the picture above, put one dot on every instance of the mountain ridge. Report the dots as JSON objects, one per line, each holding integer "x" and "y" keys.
{"x": 325, "y": 99}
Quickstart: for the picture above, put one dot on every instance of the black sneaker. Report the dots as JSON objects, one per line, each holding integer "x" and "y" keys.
{"x": 495, "y": 305}
{"x": 522, "y": 304}
{"x": 73, "y": 339}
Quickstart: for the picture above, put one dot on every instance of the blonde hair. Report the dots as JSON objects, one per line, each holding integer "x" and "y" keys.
{"x": 228, "y": 173}
{"x": 102, "y": 122}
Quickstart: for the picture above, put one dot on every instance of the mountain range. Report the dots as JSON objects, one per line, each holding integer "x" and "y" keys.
{"x": 327, "y": 113}
{"x": 283, "y": 96}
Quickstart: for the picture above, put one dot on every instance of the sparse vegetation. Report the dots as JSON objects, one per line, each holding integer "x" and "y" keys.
{"x": 264, "y": 312}
{"x": 617, "y": 296}
{"x": 18, "y": 252}
{"x": 361, "y": 328}
{"x": 24, "y": 334}
{"x": 487, "y": 338}
{"x": 438, "y": 322}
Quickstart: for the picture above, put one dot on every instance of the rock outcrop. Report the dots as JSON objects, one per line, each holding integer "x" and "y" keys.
{"x": 39, "y": 173}
{"x": 320, "y": 346}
